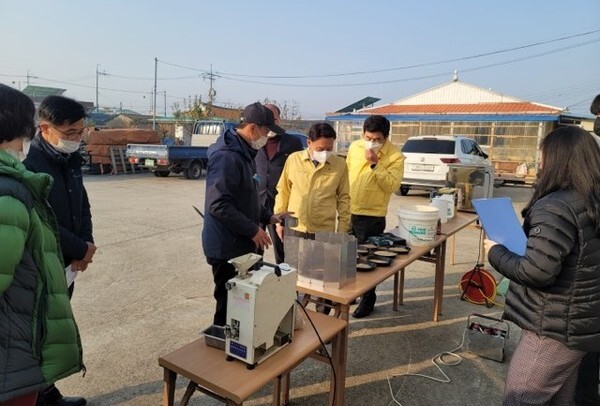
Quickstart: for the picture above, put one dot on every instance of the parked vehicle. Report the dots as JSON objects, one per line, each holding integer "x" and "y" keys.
{"x": 190, "y": 158}
{"x": 427, "y": 160}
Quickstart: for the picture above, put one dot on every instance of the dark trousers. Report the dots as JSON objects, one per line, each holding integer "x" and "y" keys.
{"x": 222, "y": 272}
{"x": 364, "y": 227}
{"x": 586, "y": 392}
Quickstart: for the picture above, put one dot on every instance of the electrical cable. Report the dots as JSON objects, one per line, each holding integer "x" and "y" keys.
{"x": 228, "y": 76}
{"x": 440, "y": 361}
{"x": 324, "y": 350}
{"x": 485, "y": 298}
{"x": 152, "y": 78}
{"x": 414, "y": 78}
{"x": 420, "y": 65}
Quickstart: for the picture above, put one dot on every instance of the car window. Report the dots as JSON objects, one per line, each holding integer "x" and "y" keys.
{"x": 208, "y": 128}
{"x": 429, "y": 146}
{"x": 470, "y": 147}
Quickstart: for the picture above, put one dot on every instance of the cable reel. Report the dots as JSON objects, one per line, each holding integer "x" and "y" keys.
{"x": 478, "y": 286}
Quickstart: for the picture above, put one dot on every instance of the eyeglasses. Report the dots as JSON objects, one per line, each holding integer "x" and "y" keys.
{"x": 73, "y": 134}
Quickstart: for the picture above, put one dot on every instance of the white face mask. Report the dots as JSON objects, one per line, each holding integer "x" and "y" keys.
{"x": 26, "y": 145}
{"x": 66, "y": 146}
{"x": 271, "y": 134}
{"x": 259, "y": 143}
{"x": 321, "y": 156}
{"x": 20, "y": 155}
{"x": 372, "y": 145}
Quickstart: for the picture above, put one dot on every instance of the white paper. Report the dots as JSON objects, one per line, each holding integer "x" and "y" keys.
{"x": 71, "y": 275}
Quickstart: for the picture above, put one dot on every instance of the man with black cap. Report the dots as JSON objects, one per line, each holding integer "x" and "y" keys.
{"x": 270, "y": 160}
{"x": 232, "y": 209}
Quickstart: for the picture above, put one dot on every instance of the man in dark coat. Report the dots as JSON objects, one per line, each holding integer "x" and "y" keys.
{"x": 232, "y": 210}
{"x": 270, "y": 160}
{"x": 55, "y": 151}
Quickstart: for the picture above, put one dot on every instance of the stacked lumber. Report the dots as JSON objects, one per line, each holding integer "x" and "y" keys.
{"x": 100, "y": 142}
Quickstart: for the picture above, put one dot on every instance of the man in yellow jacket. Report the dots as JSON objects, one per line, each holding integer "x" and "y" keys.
{"x": 314, "y": 185}
{"x": 375, "y": 167}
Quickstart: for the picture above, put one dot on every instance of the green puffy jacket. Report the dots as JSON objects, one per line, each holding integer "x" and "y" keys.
{"x": 39, "y": 339}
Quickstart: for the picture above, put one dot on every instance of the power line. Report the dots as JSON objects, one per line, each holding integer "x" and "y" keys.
{"x": 414, "y": 78}
{"x": 152, "y": 78}
{"x": 420, "y": 65}
{"x": 90, "y": 87}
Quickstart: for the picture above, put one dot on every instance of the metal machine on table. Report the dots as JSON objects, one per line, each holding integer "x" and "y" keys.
{"x": 472, "y": 182}
{"x": 260, "y": 310}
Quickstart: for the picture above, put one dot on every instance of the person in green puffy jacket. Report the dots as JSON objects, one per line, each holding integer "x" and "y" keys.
{"x": 39, "y": 339}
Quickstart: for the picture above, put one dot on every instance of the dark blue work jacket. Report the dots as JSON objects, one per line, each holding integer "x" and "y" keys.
{"x": 232, "y": 210}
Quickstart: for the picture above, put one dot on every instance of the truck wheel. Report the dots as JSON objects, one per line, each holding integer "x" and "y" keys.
{"x": 161, "y": 174}
{"x": 194, "y": 171}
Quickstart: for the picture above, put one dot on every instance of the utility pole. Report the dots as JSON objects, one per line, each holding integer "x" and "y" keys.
{"x": 154, "y": 106}
{"x": 97, "y": 107}
{"x": 211, "y": 91}
{"x": 165, "y": 92}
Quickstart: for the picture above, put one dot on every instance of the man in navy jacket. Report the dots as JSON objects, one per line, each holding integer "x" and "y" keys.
{"x": 270, "y": 160}
{"x": 55, "y": 151}
{"x": 232, "y": 209}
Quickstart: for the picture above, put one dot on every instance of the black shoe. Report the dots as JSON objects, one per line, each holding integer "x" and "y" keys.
{"x": 366, "y": 305}
{"x": 69, "y": 401}
{"x": 326, "y": 310}
{"x": 362, "y": 311}
{"x": 53, "y": 397}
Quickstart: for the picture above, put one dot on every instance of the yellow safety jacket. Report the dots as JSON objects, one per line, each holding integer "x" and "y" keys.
{"x": 371, "y": 188}
{"x": 316, "y": 195}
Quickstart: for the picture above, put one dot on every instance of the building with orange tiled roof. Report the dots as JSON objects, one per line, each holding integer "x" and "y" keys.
{"x": 507, "y": 128}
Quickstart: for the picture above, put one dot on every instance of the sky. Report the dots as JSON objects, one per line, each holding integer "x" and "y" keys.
{"x": 319, "y": 56}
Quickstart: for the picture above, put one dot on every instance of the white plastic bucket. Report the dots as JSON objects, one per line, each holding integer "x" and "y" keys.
{"x": 442, "y": 206}
{"x": 418, "y": 224}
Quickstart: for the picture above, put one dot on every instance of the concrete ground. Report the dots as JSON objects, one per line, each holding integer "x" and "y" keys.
{"x": 149, "y": 291}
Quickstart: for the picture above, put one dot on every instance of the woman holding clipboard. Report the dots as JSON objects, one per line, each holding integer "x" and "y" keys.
{"x": 554, "y": 293}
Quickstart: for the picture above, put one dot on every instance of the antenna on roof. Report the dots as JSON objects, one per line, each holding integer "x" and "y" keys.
{"x": 455, "y": 76}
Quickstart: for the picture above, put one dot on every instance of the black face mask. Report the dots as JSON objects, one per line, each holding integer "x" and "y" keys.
{"x": 597, "y": 126}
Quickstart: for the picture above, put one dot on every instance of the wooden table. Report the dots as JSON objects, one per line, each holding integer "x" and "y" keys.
{"x": 232, "y": 383}
{"x": 365, "y": 281}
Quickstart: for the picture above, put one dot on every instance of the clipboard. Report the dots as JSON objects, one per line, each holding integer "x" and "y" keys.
{"x": 501, "y": 224}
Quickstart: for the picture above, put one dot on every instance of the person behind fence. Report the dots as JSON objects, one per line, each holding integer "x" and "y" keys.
{"x": 270, "y": 160}
{"x": 232, "y": 209}
{"x": 586, "y": 392}
{"x": 33, "y": 286}
{"x": 554, "y": 291}
{"x": 375, "y": 168}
